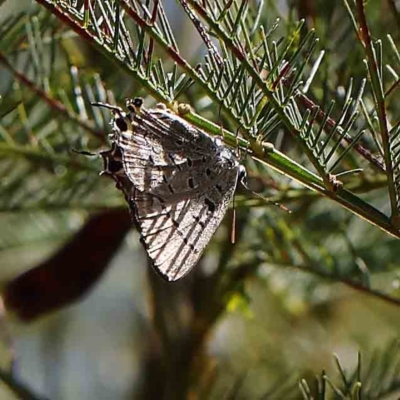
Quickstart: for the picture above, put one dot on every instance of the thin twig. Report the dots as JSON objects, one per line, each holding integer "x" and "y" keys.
{"x": 376, "y": 81}
{"x": 54, "y": 104}
{"x": 203, "y": 33}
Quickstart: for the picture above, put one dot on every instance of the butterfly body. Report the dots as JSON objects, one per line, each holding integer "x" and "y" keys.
{"x": 178, "y": 181}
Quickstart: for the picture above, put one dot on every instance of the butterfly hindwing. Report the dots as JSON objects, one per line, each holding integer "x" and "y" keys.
{"x": 176, "y": 234}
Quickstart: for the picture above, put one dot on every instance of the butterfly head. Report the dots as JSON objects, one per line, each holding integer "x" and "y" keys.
{"x": 134, "y": 105}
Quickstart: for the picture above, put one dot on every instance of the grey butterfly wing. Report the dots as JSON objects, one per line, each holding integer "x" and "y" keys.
{"x": 175, "y": 235}
{"x": 160, "y": 145}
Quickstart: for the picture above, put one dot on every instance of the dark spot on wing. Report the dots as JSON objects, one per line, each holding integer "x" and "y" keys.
{"x": 184, "y": 238}
{"x": 114, "y": 165}
{"x": 121, "y": 124}
{"x": 219, "y": 188}
{"x": 175, "y": 223}
{"x": 210, "y": 204}
{"x": 199, "y": 221}
{"x": 187, "y": 242}
{"x": 191, "y": 183}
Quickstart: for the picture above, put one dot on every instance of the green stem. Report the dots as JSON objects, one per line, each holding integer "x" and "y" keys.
{"x": 283, "y": 164}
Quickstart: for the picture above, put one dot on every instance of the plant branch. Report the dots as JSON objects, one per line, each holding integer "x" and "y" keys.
{"x": 331, "y": 123}
{"x": 262, "y": 85}
{"x": 273, "y": 158}
{"x": 348, "y": 282}
{"x": 283, "y": 164}
{"x": 377, "y": 86}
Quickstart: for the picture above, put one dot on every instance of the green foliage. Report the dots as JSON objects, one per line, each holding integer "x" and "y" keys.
{"x": 376, "y": 379}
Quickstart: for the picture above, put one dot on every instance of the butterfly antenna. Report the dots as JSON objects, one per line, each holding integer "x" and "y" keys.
{"x": 115, "y": 109}
{"x": 220, "y": 120}
{"x": 247, "y": 149}
{"x": 238, "y": 155}
{"x": 282, "y": 207}
{"x": 84, "y": 153}
{"x": 238, "y": 151}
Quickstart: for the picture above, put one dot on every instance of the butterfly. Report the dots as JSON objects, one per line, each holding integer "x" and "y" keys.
{"x": 177, "y": 180}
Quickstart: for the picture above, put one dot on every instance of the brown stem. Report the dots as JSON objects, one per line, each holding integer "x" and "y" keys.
{"x": 72, "y": 271}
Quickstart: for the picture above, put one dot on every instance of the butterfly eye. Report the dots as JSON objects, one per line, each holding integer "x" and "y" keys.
{"x": 138, "y": 102}
{"x": 242, "y": 175}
